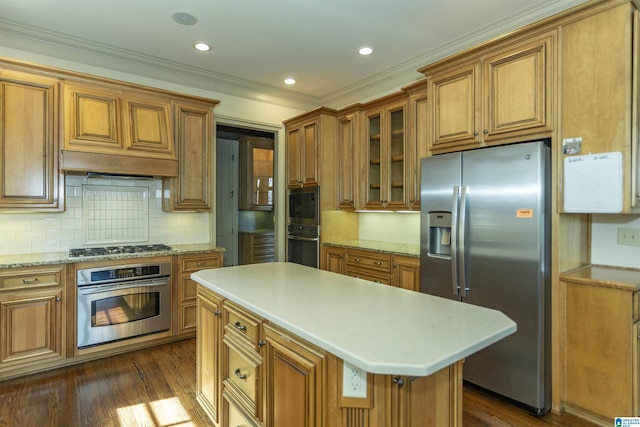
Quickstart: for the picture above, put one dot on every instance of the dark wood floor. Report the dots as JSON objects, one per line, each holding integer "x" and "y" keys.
{"x": 156, "y": 387}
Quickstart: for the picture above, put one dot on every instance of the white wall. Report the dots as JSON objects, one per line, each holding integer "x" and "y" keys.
{"x": 604, "y": 235}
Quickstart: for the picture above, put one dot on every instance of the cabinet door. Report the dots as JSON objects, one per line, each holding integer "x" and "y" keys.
{"x": 208, "y": 344}
{"x": 29, "y": 142}
{"x": 31, "y": 326}
{"x": 347, "y": 171}
{"x": 334, "y": 259}
{"x": 406, "y": 273}
{"x": 294, "y": 152}
{"x": 310, "y": 157}
{"x": 396, "y": 157}
{"x": 518, "y": 89}
{"x": 455, "y": 103}
{"x": 92, "y": 118}
{"x": 147, "y": 124}
{"x": 294, "y": 375}
{"x": 376, "y": 189}
{"x": 191, "y": 190}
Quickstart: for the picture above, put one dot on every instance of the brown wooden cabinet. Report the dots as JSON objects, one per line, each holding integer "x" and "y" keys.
{"x": 29, "y": 142}
{"x": 191, "y": 190}
{"x": 304, "y": 134}
{"x": 349, "y": 171}
{"x": 32, "y": 325}
{"x": 503, "y": 94}
{"x": 256, "y": 174}
{"x": 186, "y": 290}
{"x": 601, "y": 336}
{"x": 256, "y": 247}
{"x": 385, "y": 154}
{"x": 208, "y": 343}
{"x": 394, "y": 270}
{"x": 600, "y": 93}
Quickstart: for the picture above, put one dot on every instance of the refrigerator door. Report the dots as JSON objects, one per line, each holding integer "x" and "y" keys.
{"x": 506, "y": 265}
{"x": 440, "y": 175}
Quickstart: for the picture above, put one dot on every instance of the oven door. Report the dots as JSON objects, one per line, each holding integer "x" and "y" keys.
{"x": 303, "y": 250}
{"x": 113, "y": 312}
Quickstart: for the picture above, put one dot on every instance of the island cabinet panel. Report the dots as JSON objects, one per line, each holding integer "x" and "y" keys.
{"x": 29, "y": 177}
{"x": 31, "y": 318}
{"x": 208, "y": 349}
{"x": 187, "y": 288}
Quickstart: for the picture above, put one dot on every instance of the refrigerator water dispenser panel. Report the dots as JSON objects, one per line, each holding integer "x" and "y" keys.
{"x": 439, "y": 234}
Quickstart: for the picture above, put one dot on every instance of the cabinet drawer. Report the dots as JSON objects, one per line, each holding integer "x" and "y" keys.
{"x": 235, "y": 416}
{"x": 264, "y": 258}
{"x": 243, "y": 373}
{"x": 374, "y": 262}
{"x": 263, "y": 239}
{"x": 200, "y": 263}
{"x": 371, "y": 276}
{"x": 243, "y": 322}
{"x": 30, "y": 278}
{"x": 263, "y": 250}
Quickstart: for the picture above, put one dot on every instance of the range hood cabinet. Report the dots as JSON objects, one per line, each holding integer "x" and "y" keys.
{"x": 76, "y": 161}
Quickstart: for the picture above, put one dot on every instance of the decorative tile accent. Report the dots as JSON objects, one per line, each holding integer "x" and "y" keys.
{"x": 114, "y": 215}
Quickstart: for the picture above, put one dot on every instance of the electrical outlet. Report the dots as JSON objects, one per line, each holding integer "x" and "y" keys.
{"x": 629, "y": 236}
{"x": 354, "y": 381}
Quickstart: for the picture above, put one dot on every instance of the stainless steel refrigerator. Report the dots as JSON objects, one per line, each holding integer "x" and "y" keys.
{"x": 485, "y": 240}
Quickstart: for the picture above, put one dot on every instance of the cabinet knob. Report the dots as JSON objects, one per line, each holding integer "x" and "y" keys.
{"x": 58, "y": 299}
{"x": 395, "y": 265}
{"x": 262, "y": 343}
{"x": 356, "y": 259}
{"x": 399, "y": 381}
{"x": 378, "y": 263}
{"x": 239, "y": 375}
{"x": 485, "y": 131}
{"x": 200, "y": 263}
{"x": 216, "y": 313}
{"x": 475, "y": 133}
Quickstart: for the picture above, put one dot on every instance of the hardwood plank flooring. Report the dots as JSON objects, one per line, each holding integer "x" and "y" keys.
{"x": 156, "y": 387}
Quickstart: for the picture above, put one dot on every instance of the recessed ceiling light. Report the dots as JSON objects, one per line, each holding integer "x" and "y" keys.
{"x": 365, "y": 50}
{"x": 290, "y": 81}
{"x": 184, "y": 18}
{"x": 202, "y": 47}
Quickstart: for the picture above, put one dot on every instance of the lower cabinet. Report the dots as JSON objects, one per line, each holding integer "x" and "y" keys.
{"x": 186, "y": 298}
{"x": 251, "y": 372}
{"x": 601, "y": 356}
{"x": 395, "y": 270}
{"x": 256, "y": 247}
{"x": 31, "y": 317}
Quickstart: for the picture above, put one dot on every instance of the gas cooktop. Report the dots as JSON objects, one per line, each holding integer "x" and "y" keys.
{"x": 115, "y": 250}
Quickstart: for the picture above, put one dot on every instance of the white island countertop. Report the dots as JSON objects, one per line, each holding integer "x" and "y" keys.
{"x": 378, "y": 328}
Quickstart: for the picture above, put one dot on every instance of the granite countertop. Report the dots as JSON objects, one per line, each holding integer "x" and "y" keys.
{"x": 378, "y": 328}
{"x": 403, "y": 249}
{"x": 602, "y": 275}
{"x": 30, "y": 260}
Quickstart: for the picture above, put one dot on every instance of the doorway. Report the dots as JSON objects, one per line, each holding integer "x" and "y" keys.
{"x": 229, "y": 218}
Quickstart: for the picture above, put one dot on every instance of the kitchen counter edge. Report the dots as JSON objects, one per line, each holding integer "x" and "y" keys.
{"x": 606, "y": 276}
{"x": 50, "y": 258}
{"x": 402, "y": 249}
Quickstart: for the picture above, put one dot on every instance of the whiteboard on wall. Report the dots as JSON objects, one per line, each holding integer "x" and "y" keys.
{"x": 593, "y": 183}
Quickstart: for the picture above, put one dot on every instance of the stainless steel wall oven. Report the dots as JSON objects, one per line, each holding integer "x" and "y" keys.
{"x": 303, "y": 226}
{"x": 123, "y": 301}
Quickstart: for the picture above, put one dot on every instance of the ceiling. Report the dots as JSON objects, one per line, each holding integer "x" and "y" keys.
{"x": 258, "y": 43}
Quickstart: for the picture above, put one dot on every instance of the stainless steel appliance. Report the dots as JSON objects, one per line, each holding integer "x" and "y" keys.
{"x": 485, "y": 231}
{"x": 303, "y": 226}
{"x": 123, "y": 301}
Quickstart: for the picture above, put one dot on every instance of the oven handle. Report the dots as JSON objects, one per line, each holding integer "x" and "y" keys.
{"x": 308, "y": 239}
{"x": 108, "y": 288}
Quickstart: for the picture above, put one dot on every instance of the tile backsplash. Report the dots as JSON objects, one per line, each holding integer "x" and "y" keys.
{"x": 24, "y": 233}
{"x": 390, "y": 227}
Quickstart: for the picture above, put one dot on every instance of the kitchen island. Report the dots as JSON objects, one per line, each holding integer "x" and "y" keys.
{"x": 283, "y": 344}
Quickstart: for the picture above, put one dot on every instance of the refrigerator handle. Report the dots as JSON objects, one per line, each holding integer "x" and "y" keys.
{"x": 464, "y": 192}
{"x": 455, "y": 287}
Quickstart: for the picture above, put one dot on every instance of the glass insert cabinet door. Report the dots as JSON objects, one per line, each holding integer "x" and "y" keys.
{"x": 256, "y": 174}
{"x": 386, "y": 155}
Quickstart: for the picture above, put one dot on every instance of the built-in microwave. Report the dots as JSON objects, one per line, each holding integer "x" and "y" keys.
{"x": 304, "y": 206}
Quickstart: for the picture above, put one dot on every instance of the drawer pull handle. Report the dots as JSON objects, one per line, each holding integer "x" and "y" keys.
{"x": 356, "y": 259}
{"x": 399, "y": 381}
{"x": 378, "y": 263}
{"x": 240, "y": 327}
{"x": 239, "y": 375}
{"x": 27, "y": 281}
{"x": 200, "y": 263}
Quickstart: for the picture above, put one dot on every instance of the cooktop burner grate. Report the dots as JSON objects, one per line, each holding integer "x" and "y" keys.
{"x": 114, "y": 250}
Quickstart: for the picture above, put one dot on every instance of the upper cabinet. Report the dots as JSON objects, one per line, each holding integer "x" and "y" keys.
{"x": 503, "y": 94}
{"x": 29, "y": 177}
{"x": 348, "y": 170}
{"x": 303, "y": 136}
{"x": 191, "y": 189}
{"x": 600, "y": 93}
{"x": 256, "y": 174}
{"x": 385, "y": 151}
{"x": 103, "y": 121}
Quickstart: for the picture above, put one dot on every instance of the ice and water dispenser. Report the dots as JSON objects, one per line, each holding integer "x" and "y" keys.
{"x": 439, "y": 233}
